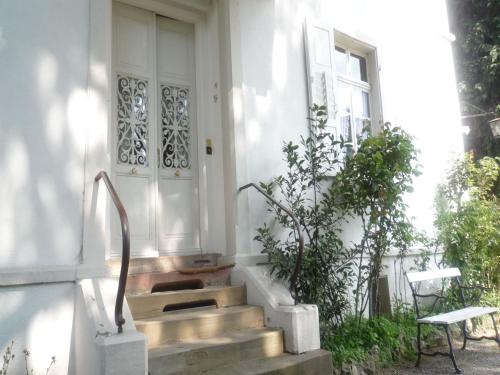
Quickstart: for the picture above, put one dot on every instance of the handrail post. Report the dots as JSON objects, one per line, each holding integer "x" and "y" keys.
{"x": 122, "y": 282}
{"x": 296, "y": 271}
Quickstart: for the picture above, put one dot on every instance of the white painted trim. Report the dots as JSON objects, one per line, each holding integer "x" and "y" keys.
{"x": 300, "y": 323}
{"x": 49, "y": 274}
{"x": 243, "y": 259}
{"x": 191, "y": 11}
{"x": 99, "y": 349}
{"x": 97, "y": 155}
{"x": 377, "y": 109}
{"x": 198, "y": 5}
{"x": 201, "y": 73}
{"x": 233, "y": 125}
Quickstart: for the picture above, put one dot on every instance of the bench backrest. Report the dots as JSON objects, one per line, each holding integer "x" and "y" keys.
{"x": 414, "y": 277}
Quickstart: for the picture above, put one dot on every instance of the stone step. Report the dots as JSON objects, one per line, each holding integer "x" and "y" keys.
{"x": 317, "y": 362}
{"x": 162, "y": 264}
{"x": 198, "y": 356}
{"x": 149, "y": 305}
{"x": 199, "y": 324}
{"x": 143, "y": 283}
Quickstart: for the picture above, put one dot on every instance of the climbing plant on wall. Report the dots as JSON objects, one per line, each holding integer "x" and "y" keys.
{"x": 326, "y": 271}
{"x": 325, "y": 186}
{"x": 371, "y": 186}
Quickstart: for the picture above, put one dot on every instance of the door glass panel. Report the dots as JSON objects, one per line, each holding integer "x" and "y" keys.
{"x": 175, "y": 127}
{"x": 132, "y": 121}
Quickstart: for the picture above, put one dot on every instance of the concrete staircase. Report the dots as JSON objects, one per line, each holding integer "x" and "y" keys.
{"x": 213, "y": 331}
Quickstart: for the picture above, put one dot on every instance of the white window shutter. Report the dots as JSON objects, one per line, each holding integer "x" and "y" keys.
{"x": 319, "y": 48}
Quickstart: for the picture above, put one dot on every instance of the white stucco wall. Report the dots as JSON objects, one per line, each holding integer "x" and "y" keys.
{"x": 417, "y": 80}
{"x": 44, "y": 61}
{"x": 38, "y": 318}
{"x": 43, "y": 75}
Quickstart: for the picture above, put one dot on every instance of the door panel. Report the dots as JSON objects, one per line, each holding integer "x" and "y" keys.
{"x": 134, "y": 133}
{"x": 178, "y": 226}
{"x": 155, "y": 167}
{"x": 174, "y": 64}
{"x": 133, "y": 41}
{"x": 136, "y": 197}
{"x": 178, "y": 215}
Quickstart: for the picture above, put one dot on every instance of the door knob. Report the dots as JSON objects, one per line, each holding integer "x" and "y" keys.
{"x": 177, "y": 173}
{"x": 133, "y": 171}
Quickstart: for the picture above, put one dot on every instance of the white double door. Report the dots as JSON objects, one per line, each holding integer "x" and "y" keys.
{"x": 154, "y": 133}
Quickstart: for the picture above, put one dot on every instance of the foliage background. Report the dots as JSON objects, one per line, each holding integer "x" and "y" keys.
{"x": 468, "y": 220}
{"x": 476, "y": 25}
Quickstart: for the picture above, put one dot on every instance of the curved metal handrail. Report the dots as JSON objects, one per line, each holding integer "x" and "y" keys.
{"x": 295, "y": 275}
{"x": 120, "y": 295}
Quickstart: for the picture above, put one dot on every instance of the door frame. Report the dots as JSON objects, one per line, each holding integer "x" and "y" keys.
{"x": 99, "y": 146}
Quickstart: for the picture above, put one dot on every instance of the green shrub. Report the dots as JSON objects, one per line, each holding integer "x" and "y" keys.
{"x": 468, "y": 220}
{"x": 371, "y": 186}
{"x": 325, "y": 185}
{"x": 326, "y": 270}
{"x": 393, "y": 338}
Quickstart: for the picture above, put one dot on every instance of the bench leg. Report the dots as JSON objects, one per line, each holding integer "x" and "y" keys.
{"x": 419, "y": 349}
{"x": 452, "y": 356}
{"x": 497, "y": 337}
{"x": 464, "y": 333}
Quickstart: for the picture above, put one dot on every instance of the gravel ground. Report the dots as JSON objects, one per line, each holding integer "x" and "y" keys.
{"x": 480, "y": 358}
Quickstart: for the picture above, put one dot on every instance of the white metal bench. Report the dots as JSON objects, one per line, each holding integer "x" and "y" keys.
{"x": 445, "y": 319}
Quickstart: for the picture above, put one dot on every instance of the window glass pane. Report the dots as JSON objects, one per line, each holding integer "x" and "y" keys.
{"x": 344, "y": 110}
{"x": 361, "y": 112}
{"x": 363, "y": 127}
{"x": 344, "y": 98}
{"x": 358, "y": 68}
{"x": 340, "y": 61}
{"x": 366, "y": 104}
{"x": 360, "y": 102}
{"x": 345, "y": 128}
{"x": 132, "y": 121}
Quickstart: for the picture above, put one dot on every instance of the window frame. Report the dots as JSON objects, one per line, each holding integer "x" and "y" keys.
{"x": 347, "y": 44}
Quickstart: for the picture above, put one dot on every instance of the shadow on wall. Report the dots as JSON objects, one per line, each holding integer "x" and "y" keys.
{"x": 38, "y": 318}
{"x": 44, "y": 61}
{"x": 44, "y": 54}
{"x": 273, "y": 96}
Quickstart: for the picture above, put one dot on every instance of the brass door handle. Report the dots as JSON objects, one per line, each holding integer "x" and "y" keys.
{"x": 177, "y": 173}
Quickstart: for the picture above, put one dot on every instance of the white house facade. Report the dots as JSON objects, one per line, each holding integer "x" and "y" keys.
{"x": 181, "y": 102}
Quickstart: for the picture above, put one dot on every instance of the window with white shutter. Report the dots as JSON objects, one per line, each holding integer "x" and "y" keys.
{"x": 342, "y": 75}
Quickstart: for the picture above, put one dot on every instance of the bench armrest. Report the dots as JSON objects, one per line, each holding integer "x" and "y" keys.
{"x": 478, "y": 287}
